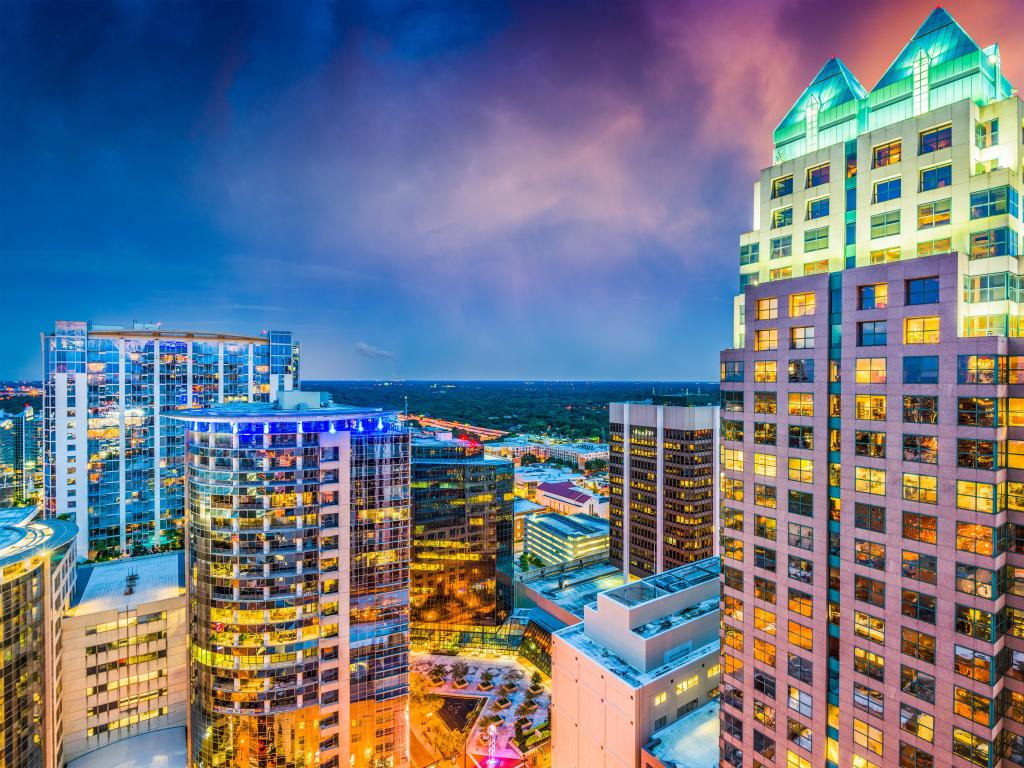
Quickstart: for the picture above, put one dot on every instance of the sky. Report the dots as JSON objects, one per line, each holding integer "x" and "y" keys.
{"x": 460, "y": 190}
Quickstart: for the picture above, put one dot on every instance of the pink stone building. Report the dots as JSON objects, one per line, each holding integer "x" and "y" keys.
{"x": 872, "y": 435}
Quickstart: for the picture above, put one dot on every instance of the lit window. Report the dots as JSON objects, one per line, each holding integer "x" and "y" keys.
{"x": 886, "y": 154}
{"x": 765, "y": 371}
{"x": 934, "y": 214}
{"x": 870, "y": 480}
{"x": 801, "y": 337}
{"x": 870, "y": 407}
{"x": 921, "y": 330}
{"x": 873, "y": 296}
{"x": 801, "y": 470}
{"x": 767, "y": 309}
{"x": 871, "y": 370}
{"x": 766, "y": 339}
{"x": 921, "y": 488}
{"x": 801, "y": 304}
{"x": 801, "y": 404}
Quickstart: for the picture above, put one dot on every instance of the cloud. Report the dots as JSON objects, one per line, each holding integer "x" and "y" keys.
{"x": 368, "y": 350}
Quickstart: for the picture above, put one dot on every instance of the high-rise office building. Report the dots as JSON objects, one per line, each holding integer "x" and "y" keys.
{"x": 298, "y": 584}
{"x": 461, "y": 588}
{"x": 19, "y": 457}
{"x": 37, "y": 580}
{"x": 872, "y": 442}
{"x": 107, "y": 396}
{"x": 661, "y": 469}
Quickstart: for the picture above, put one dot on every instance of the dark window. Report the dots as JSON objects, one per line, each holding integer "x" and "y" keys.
{"x": 935, "y": 139}
{"x": 921, "y": 370}
{"x": 801, "y": 503}
{"x": 801, "y": 437}
{"x": 923, "y": 290}
{"x": 936, "y": 178}
{"x": 872, "y": 334}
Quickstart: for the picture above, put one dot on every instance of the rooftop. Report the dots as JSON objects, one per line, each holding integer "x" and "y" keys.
{"x": 667, "y": 583}
{"x": 566, "y": 489}
{"x": 689, "y": 742}
{"x": 165, "y": 748}
{"x": 521, "y": 506}
{"x": 23, "y": 535}
{"x": 676, "y": 618}
{"x": 573, "y": 588}
{"x": 117, "y": 584}
{"x": 571, "y": 526}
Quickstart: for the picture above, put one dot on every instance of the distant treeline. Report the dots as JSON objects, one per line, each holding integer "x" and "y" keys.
{"x": 573, "y": 409}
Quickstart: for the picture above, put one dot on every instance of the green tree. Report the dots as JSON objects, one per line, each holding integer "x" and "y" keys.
{"x": 596, "y": 465}
{"x": 527, "y": 459}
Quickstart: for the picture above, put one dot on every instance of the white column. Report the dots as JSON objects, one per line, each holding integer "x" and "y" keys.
{"x": 625, "y": 490}
{"x": 122, "y": 485}
{"x": 659, "y": 545}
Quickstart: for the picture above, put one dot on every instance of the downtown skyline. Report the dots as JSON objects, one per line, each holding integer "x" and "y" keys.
{"x": 408, "y": 188}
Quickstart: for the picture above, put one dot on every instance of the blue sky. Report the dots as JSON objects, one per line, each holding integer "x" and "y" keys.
{"x": 427, "y": 190}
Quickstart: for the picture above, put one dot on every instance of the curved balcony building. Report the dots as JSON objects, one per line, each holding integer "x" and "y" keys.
{"x": 37, "y": 578}
{"x": 298, "y": 578}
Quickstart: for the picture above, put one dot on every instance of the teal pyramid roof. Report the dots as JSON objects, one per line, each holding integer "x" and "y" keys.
{"x": 940, "y": 37}
{"x": 835, "y": 84}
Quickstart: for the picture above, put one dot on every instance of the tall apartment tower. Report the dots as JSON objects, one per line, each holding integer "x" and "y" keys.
{"x": 19, "y": 457}
{"x": 873, "y": 426}
{"x": 297, "y": 564}
{"x": 37, "y": 581}
{"x": 108, "y": 393}
{"x": 662, "y": 466}
{"x": 461, "y": 583}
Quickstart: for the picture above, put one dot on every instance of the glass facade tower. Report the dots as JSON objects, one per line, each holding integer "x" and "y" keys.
{"x": 20, "y": 471}
{"x": 461, "y": 589}
{"x": 111, "y": 457}
{"x": 872, "y": 498}
{"x": 37, "y": 580}
{"x": 298, "y": 581}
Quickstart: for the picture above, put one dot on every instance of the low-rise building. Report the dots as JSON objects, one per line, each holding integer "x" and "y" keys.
{"x": 125, "y": 667}
{"x": 556, "y": 538}
{"x": 570, "y": 499}
{"x": 521, "y": 508}
{"x": 548, "y": 448}
{"x": 645, "y": 655}
{"x": 528, "y": 478}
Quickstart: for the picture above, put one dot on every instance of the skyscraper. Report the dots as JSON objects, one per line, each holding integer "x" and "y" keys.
{"x": 19, "y": 457}
{"x": 298, "y": 584}
{"x": 662, "y": 469}
{"x": 107, "y": 395}
{"x": 37, "y": 580}
{"x": 461, "y": 588}
{"x": 872, "y": 490}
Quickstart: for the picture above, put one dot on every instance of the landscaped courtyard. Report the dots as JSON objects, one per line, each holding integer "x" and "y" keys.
{"x": 456, "y": 699}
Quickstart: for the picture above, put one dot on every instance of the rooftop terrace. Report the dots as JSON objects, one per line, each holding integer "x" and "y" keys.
{"x": 118, "y": 584}
{"x": 616, "y": 665}
{"x": 667, "y": 583}
{"x": 689, "y": 742}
